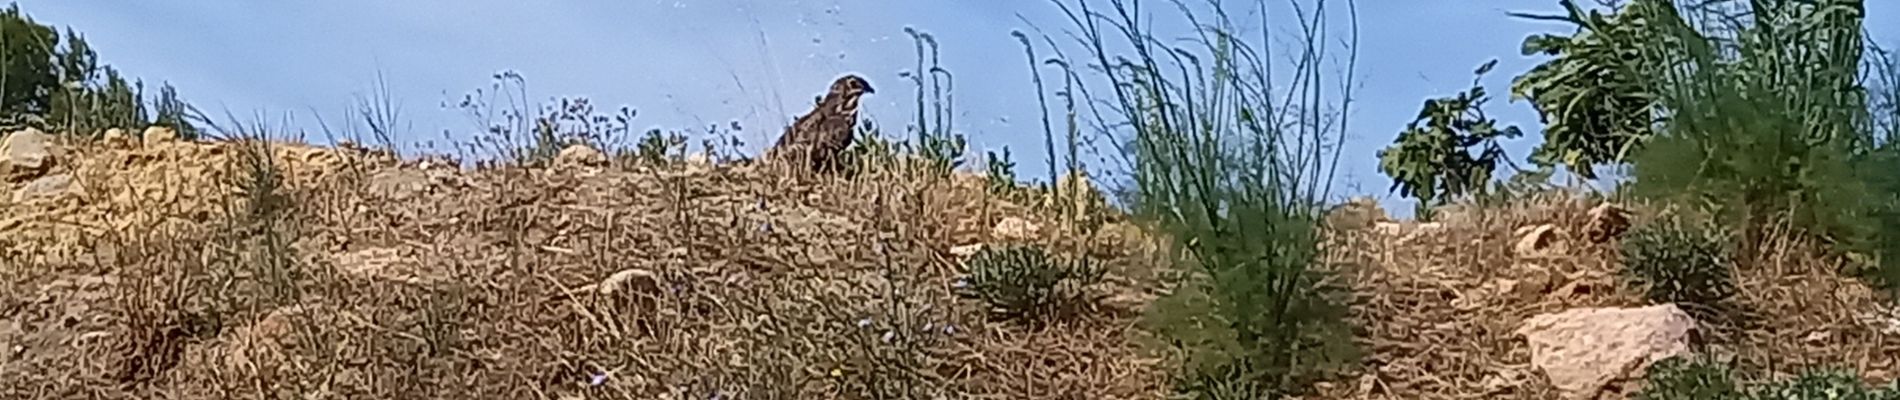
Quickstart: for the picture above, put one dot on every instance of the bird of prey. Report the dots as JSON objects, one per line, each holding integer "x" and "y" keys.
{"x": 820, "y": 137}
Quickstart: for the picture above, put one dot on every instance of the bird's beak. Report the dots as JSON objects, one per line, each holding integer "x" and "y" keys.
{"x": 869, "y": 90}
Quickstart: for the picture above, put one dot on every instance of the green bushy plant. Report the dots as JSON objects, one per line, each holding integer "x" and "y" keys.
{"x": 1233, "y": 167}
{"x": 1699, "y": 378}
{"x": 57, "y": 83}
{"x": 1592, "y": 94}
{"x": 1823, "y": 384}
{"x": 31, "y": 78}
{"x": 1000, "y": 174}
{"x": 1766, "y": 121}
{"x": 1679, "y": 261}
{"x": 1431, "y": 159}
{"x": 1024, "y": 283}
{"x": 1686, "y": 378}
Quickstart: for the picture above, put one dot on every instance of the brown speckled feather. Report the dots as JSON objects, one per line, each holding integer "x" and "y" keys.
{"x": 826, "y": 132}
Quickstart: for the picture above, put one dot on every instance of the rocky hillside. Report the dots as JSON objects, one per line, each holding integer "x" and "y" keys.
{"x": 155, "y": 268}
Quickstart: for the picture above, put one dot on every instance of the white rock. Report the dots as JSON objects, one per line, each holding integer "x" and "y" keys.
{"x": 26, "y": 154}
{"x": 966, "y": 250}
{"x": 116, "y": 137}
{"x": 1583, "y": 350}
{"x": 580, "y": 155}
{"x": 159, "y": 134}
{"x": 1013, "y": 228}
{"x": 50, "y": 186}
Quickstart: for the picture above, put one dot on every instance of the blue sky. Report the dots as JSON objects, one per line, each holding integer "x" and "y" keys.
{"x": 685, "y": 63}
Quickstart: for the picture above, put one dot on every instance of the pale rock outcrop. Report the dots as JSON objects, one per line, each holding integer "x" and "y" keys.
{"x": 1013, "y": 229}
{"x": 159, "y": 134}
{"x": 26, "y": 154}
{"x": 46, "y": 187}
{"x": 1583, "y": 350}
{"x": 580, "y": 155}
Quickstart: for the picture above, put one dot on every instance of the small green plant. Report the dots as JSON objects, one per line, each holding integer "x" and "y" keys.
{"x": 1682, "y": 262}
{"x": 1823, "y": 384}
{"x": 1001, "y": 173}
{"x": 1699, "y": 378}
{"x": 658, "y": 147}
{"x": 1431, "y": 160}
{"x": 1687, "y": 378}
{"x": 1024, "y": 283}
{"x": 940, "y": 147}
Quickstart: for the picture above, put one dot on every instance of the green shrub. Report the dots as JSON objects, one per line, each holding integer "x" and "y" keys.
{"x": 1677, "y": 261}
{"x": 57, "y": 83}
{"x": 1824, "y": 384}
{"x": 1697, "y": 378}
{"x": 1234, "y": 168}
{"x": 1001, "y": 174}
{"x": 1767, "y": 122}
{"x": 1592, "y": 93}
{"x": 1431, "y": 159}
{"x": 1680, "y": 378}
{"x": 1024, "y": 283}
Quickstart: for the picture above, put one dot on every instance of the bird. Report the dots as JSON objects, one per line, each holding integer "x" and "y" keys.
{"x": 821, "y": 136}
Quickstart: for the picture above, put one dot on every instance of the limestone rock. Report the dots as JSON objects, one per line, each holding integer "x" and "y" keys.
{"x": 26, "y": 154}
{"x": 1532, "y": 239}
{"x": 630, "y": 280}
{"x": 966, "y": 250}
{"x": 1013, "y": 228}
{"x": 1607, "y": 221}
{"x": 1583, "y": 350}
{"x": 50, "y": 186}
{"x": 1358, "y": 213}
{"x": 159, "y": 134}
{"x": 580, "y": 155}
{"x": 116, "y": 137}
{"x": 399, "y": 184}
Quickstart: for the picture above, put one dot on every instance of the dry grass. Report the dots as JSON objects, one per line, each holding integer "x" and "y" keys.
{"x": 1438, "y": 307}
{"x": 165, "y": 274}
{"x": 384, "y": 280}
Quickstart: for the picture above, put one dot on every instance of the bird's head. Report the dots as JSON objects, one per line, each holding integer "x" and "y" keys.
{"x": 851, "y": 85}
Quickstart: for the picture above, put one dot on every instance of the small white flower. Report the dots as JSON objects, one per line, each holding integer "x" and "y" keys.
{"x": 949, "y": 329}
{"x": 596, "y": 379}
{"x": 888, "y": 335}
{"x": 961, "y": 283}
{"x": 927, "y": 326}
{"x": 864, "y": 323}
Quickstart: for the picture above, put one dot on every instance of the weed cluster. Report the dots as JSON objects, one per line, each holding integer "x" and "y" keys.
{"x": 1683, "y": 378}
{"x": 1684, "y": 262}
{"x": 1024, "y": 283}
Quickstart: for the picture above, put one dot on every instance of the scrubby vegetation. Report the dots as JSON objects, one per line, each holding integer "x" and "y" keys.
{"x": 562, "y": 254}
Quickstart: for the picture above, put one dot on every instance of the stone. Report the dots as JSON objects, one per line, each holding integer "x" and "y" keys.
{"x": 580, "y": 155}
{"x": 1013, "y": 228}
{"x": 1358, "y": 213}
{"x": 967, "y": 250}
{"x": 1532, "y": 239}
{"x": 399, "y": 183}
{"x": 26, "y": 154}
{"x": 630, "y": 280}
{"x": 1583, "y": 350}
{"x": 159, "y": 134}
{"x": 1607, "y": 221}
{"x": 50, "y": 186}
{"x": 116, "y": 137}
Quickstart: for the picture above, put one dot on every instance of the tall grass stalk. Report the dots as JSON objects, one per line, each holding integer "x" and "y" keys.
{"x": 1234, "y": 168}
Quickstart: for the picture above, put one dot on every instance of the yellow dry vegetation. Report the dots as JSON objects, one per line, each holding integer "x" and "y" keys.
{"x": 162, "y": 273}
